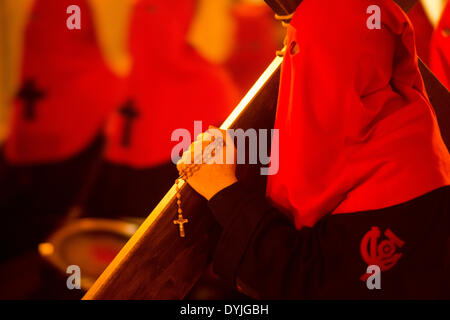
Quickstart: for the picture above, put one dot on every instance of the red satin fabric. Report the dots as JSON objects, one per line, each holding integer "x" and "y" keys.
{"x": 357, "y": 131}
{"x": 440, "y": 49}
{"x": 79, "y": 90}
{"x": 171, "y": 85}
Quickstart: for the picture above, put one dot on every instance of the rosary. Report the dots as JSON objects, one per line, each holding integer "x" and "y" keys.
{"x": 186, "y": 172}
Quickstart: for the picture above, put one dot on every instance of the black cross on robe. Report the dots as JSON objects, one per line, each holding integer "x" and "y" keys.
{"x": 30, "y": 95}
{"x": 129, "y": 113}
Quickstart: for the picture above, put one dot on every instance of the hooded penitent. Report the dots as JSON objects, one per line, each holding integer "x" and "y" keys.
{"x": 170, "y": 86}
{"x": 357, "y": 131}
{"x": 66, "y": 89}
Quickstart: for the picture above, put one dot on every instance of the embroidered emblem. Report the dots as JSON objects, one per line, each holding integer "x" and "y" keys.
{"x": 381, "y": 254}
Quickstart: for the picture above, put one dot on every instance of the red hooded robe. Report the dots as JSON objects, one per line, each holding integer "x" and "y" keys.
{"x": 171, "y": 85}
{"x": 357, "y": 131}
{"x": 70, "y": 87}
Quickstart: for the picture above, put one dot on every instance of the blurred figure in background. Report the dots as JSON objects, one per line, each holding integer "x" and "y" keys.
{"x": 170, "y": 86}
{"x": 257, "y": 37}
{"x": 12, "y": 23}
{"x": 440, "y": 48}
{"x": 431, "y": 21}
{"x": 65, "y": 93}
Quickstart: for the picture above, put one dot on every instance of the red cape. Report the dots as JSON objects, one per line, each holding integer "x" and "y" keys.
{"x": 357, "y": 131}
{"x": 171, "y": 85}
{"x": 76, "y": 89}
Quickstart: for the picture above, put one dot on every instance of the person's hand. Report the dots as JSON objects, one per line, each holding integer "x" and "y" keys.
{"x": 216, "y": 172}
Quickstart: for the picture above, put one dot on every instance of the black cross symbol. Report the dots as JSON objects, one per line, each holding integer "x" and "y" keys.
{"x": 129, "y": 113}
{"x": 30, "y": 94}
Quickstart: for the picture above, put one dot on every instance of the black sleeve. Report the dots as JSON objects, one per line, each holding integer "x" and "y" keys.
{"x": 260, "y": 250}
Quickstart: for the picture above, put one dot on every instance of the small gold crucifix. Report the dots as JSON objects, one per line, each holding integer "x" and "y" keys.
{"x": 180, "y": 222}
